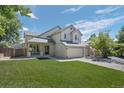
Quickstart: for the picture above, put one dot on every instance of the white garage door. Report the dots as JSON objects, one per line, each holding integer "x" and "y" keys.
{"x": 74, "y": 52}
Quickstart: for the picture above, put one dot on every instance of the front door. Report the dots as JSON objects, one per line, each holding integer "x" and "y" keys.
{"x": 47, "y": 50}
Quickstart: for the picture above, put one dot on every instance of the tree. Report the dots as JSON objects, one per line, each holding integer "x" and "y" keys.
{"x": 9, "y": 22}
{"x": 120, "y": 42}
{"x": 120, "y": 35}
{"x": 102, "y": 43}
{"x": 92, "y": 36}
{"x": 119, "y": 48}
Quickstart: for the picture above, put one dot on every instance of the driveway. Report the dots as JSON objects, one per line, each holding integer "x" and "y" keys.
{"x": 112, "y": 65}
{"x": 118, "y": 60}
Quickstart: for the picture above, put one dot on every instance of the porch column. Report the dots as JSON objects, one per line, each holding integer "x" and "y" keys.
{"x": 28, "y": 50}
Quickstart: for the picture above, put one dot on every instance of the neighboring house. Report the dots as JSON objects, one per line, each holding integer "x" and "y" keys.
{"x": 16, "y": 46}
{"x": 58, "y": 42}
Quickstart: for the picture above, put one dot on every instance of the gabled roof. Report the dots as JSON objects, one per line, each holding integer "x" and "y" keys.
{"x": 31, "y": 33}
{"x": 72, "y": 26}
{"x": 51, "y": 31}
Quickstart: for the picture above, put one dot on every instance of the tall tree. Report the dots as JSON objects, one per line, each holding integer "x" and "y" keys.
{"x": 92, "y": 36}
{"x": 9, "y": 22}
{"x": 120, "y": 42}
{"x": 120, "y": 35}
{"x": 102, "y": 43}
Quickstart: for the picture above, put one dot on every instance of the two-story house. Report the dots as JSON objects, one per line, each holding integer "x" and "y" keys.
{"x": 58, "y": 42}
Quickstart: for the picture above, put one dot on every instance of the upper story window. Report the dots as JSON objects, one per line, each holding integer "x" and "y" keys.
{"x": 64, "y": 36}
{"x": 75, "y": 37}
{"x": 72, "y": 28}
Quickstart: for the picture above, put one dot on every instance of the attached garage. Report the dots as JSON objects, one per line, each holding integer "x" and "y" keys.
{"x": 75, "y": 52}
{"x": 65, "y": 50}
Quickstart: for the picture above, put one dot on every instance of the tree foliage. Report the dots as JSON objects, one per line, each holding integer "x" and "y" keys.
{"x": 120, "y": 42}
{"x": 9, "y": 22}
{"x": 92, "y": 36}
{"x": 102, "y": 43}
{"x": 120, "y": 35}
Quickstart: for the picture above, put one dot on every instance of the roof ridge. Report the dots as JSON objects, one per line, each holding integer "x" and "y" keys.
{"x": 51, "y": 29}
{"x": 31, "y": 33}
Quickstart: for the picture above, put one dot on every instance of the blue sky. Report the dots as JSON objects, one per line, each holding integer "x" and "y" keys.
{"x": 88, "y": 19}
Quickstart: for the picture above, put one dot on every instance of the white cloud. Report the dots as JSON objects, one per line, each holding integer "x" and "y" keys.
{"x": 89, "y": 27}
{"x": 32, "y": 16}
{"x": 108, "y": 10}
{"x": 72, "y": 10}
{"x": 25, "y": 29}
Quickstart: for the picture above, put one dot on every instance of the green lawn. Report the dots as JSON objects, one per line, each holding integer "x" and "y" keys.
{"x": 49, "y": 73}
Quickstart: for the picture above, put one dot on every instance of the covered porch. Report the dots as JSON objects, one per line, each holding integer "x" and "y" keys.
{"x": 37, "y": 47}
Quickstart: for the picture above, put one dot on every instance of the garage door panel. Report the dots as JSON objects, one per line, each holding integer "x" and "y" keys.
{"x": 75, "y": 52}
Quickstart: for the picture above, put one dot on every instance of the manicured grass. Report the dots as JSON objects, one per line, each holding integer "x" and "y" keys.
{"x": 49, "y": 73}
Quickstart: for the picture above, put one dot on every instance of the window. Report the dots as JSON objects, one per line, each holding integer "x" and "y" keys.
{"x": 72, "y": 28}
{"x": 34, "y": 48}
{"x": 64, "y": 36}
{"x": 75, "y": 37}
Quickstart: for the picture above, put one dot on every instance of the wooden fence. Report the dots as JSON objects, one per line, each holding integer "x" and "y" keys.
{"x": 11, "y": 52}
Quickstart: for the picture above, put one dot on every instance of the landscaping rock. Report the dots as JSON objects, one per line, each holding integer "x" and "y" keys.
{"x": 101, "y": 59}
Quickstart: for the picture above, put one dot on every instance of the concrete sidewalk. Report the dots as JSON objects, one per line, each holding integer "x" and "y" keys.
{"x": 6, "y": 59}
{"x": 104, "y": 64}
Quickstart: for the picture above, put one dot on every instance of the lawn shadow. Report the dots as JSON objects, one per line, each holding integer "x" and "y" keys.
{"x": 43, "y": 58}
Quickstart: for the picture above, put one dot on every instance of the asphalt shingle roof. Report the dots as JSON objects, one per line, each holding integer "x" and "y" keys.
{"x": 38, "y": 40}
